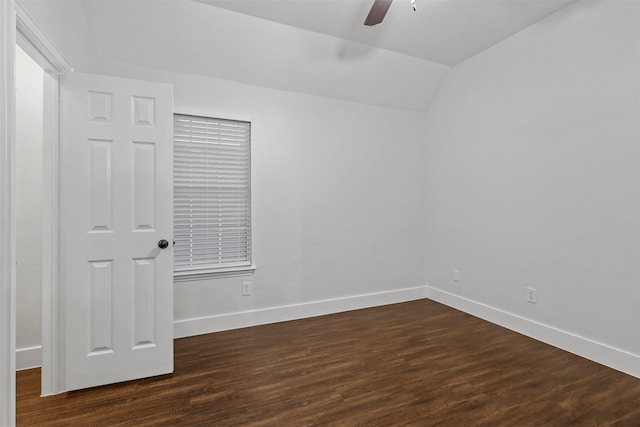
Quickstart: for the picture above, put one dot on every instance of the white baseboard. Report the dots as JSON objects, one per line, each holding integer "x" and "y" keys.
{"x": 28, "y": 357}
{"x": 621, "y": 360}
{"x": 223, "y": 322}
{"x": 31, "y": 357}
{"x": 604, "y": 354}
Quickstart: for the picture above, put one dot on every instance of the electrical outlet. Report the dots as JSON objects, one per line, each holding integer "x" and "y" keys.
{"x": 456, "y": 275}
{"x": 531, "y": 295}
{"x": 247, "y": 289}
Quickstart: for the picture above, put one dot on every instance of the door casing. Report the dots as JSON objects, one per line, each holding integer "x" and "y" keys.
{"x": 18, "y": 27}
{"x": 7, "y": 213}
{"x": 35, "y": 43}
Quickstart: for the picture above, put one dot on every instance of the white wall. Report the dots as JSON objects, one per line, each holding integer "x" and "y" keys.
{"x": 533, "y": 176}
{"x": 29, "y": 133}
{"x": 338, "y": 201}
{"x": 338, "y": 186}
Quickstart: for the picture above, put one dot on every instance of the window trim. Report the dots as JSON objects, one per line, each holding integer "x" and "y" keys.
{"x": 203, "y": 274}
{"x": 242, "y": 269}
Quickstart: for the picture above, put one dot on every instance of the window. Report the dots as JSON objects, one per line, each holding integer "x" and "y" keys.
{"x": 212, "y": 197}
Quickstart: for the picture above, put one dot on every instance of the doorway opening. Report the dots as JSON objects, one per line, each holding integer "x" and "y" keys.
{"x": 29, "y": 218}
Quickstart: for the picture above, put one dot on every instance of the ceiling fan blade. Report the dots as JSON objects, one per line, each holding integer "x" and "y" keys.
{"x": 377, "y": 12}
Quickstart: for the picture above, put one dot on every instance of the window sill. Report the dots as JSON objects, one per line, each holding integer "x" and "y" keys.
{"x": 185, "y": 276}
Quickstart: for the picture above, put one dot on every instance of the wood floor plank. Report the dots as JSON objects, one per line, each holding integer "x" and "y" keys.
{"x": 418, "y": 363}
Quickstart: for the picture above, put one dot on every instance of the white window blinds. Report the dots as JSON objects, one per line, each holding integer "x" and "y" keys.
{"x": 212, "y": 194}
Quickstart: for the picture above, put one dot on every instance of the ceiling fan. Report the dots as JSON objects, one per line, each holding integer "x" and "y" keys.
{"x": 377, "y": 12}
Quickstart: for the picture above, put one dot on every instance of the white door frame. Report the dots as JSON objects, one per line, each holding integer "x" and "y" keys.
{"x": 36, "y": 44}
{"x": 17, "y": 26}
{"x": 7, "y": 218}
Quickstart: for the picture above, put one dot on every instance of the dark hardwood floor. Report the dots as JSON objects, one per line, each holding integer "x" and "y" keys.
{"x": 417, "y": 363}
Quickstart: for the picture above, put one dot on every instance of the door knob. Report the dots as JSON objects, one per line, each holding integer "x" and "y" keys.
{"x": 163, "y": 244}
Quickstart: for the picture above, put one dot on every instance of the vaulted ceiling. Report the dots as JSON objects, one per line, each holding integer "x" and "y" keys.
{"x": 443, "y": 31}
{"x": 318, "y": 47}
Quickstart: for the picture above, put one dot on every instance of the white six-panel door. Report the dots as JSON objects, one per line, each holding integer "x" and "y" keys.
{"x": 115, "y": 206}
